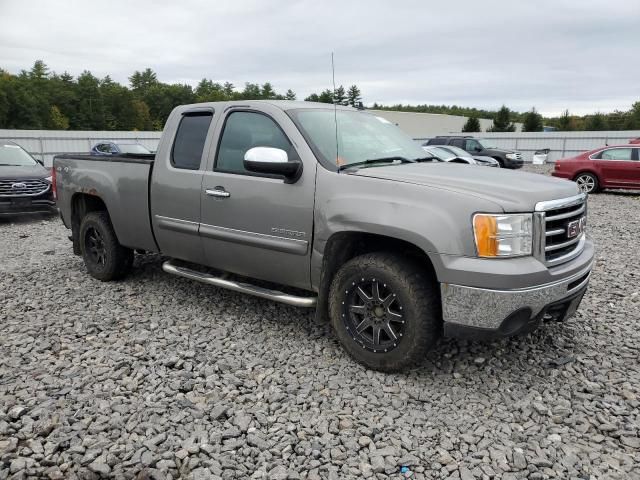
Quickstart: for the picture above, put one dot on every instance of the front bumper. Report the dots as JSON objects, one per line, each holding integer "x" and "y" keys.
{"x": 470, "y": 312}
{"x": 514, "y": 164}
{"x": 25, "y": 206}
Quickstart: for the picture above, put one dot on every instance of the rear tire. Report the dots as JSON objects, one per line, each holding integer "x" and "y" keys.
{"x": 103, "y": 255}
{"x": 385, "y": 310}
{"x": 587, "y": 182}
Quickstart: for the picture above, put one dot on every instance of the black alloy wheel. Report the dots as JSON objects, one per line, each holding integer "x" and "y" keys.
{"x": 373, "y": 315}
{"x": 94, "y": 246}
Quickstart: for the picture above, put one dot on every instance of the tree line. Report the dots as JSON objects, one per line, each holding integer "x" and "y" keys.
{"x": 41, "y": 99}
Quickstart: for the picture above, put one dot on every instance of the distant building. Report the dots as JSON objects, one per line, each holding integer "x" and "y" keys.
{"x": 426, "y": 125}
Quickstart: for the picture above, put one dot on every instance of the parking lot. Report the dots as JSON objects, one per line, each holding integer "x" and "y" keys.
{"x": 160, "y": 377}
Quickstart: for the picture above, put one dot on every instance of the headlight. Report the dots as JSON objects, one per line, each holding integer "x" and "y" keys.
{"x": 511, "y": 156}
{"x": 503, "y": 235}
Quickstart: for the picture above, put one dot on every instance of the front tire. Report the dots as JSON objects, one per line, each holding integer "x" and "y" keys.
{"x": 103, "y": 255}
{"x": 385, "y": 310}
{"x": 587, "y": 182}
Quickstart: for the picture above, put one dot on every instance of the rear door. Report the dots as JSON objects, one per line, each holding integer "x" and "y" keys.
{"x": 251, "y": 224}
{"x": 617, "y": 166}
{"x": 177, "y": 182}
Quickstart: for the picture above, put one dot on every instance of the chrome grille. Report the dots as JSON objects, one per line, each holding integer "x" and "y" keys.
{"x": 19, "y": 188}
{"x": 562, "y": 225}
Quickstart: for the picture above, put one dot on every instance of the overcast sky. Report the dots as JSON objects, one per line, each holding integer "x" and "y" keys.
{"x": 576, "y": 54}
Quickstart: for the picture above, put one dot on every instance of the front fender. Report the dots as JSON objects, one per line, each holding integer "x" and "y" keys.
{"x": 438, "y": 221}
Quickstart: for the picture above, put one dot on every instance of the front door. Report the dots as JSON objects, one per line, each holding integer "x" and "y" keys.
{"x": 251, "y": 224}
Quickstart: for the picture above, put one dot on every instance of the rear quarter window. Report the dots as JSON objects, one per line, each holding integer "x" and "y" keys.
{"x": 188, "y": 144}
{"x": 437, "y": 141}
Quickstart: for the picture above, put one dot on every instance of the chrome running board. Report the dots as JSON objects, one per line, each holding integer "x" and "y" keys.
{"x": 275, "y": 295}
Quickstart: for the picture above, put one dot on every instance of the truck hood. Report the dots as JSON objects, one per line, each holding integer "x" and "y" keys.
{"x": 511, "y": 191}
{"x": 23, "y": 172}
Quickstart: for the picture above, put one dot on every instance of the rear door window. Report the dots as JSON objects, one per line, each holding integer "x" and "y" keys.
{"x": 190, "y": 138}
{"x": 616, "y": 154}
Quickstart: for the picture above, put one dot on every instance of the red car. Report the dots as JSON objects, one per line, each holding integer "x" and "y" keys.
{"x": 616, "y": 166}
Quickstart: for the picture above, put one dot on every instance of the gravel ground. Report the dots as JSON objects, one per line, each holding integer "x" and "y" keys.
{"x": 160, "y": 377}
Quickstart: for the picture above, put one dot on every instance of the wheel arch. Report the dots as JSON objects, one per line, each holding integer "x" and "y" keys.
{"x": 81, "y": 204}
{"x": 345, "y": 245}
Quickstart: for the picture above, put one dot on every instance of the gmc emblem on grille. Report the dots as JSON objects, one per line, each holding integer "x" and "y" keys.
{"x": 576, "y": 227}
{"x": 18, "y": 186}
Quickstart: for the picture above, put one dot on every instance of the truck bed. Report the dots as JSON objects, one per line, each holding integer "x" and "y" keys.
{"x": 120, "y": 182}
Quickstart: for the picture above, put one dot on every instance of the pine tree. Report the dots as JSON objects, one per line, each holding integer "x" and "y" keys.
{"x": 472, "y": 125}
{"x": 339, "y": 96}
{"x": 354, "y": 96}
{"x": 312, "y": 98}
{"x": 326, "y": 96}
{"x": 532, "y": 121}
{"x": 290, "y": 95}
{"x": 596, "y": 122}
{"x": 142, "y": 81}
{"x": 267, "y": 91}
{"x": 502, "y": 121}
{"x": 57, "y": 121}
{"x": 565, "y": 122}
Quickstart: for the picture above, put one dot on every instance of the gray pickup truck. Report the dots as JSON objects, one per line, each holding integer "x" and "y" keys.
{"x": 341, "y": 211}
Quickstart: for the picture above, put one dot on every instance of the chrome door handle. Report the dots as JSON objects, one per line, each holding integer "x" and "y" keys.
{"x": 217, "y": 192}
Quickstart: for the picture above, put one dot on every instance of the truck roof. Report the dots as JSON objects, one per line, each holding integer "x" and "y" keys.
{"x": 281, "y": 104}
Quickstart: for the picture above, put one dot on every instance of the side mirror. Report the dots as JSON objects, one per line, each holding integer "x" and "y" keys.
{"x": 477, "y": 148}
{"x": 273, "y": 161}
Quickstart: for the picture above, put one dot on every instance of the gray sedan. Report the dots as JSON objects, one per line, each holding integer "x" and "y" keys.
{"x": 449, "y": 153}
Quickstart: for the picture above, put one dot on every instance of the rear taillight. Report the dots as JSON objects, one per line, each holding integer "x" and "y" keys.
{"x": 54, "y": 183}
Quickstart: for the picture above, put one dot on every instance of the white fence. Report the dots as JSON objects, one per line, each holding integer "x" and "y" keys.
{"x": 44, "y": 144}
{"x": 560, "y": 144}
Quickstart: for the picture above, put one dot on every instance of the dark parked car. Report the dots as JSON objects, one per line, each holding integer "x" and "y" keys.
{"x": 118, "y": 147}
{"x": 25, "y": 184}
{"x": 483, "y": 147}
{"x": 616, "y": 166}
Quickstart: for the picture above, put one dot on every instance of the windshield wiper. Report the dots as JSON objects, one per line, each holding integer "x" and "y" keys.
{"x": 427, "y": 159}
{"x": 376, "y": 160}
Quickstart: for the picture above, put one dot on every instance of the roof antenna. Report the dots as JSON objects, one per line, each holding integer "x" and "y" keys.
{"x": 335, "y": 109}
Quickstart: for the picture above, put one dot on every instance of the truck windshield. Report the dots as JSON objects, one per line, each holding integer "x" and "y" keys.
{"x": 132, "y": 148}
{"x": 361, "y": 137}
{"x": 16, "y": 156}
